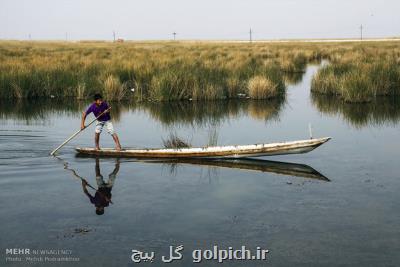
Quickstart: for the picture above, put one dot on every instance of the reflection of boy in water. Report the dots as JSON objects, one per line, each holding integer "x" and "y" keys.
{"x": 102, "y": 197}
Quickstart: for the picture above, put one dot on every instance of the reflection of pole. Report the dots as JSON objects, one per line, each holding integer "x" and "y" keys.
{"x": 361, "y": 31}
{"x": 251, "y": 37}
{"x": 174, "y": 33}
{"x": 114, "y": 36}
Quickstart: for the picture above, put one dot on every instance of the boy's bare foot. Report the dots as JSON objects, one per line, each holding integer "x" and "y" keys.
{"x": 97, "y": 148}
{"x": 118, "y": 148}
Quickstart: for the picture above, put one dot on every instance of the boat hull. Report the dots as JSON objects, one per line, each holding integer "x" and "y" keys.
{"x": 238, "y": 151}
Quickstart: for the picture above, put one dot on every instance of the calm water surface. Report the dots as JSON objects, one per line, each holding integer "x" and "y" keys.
{"x": 340, "y": 207}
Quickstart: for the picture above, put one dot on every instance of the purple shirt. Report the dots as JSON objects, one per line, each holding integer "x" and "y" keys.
{"x": 97, "y": 110}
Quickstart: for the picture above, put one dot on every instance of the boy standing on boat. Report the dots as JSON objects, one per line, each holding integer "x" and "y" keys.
{"x": 100, "y": 107}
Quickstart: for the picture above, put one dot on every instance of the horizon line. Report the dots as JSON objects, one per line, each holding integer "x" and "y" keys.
{"x": 388, "y": 38}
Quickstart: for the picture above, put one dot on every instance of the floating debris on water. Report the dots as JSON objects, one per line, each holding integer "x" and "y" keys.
{"x": 82, "y": 230}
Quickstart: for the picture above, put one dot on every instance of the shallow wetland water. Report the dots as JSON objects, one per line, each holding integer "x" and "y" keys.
{"x": 348, "y": 216}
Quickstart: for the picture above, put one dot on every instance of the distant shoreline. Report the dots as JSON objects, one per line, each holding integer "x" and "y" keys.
{"x": 336, "y": 40}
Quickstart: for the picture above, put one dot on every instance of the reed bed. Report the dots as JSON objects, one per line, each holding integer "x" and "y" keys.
{"x": 163, "y": 71}
{"x": 361, "y": 74}
{"x": 159, "y": 71}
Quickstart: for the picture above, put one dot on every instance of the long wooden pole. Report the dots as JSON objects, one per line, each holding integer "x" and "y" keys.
{"x": 78, "y": 132}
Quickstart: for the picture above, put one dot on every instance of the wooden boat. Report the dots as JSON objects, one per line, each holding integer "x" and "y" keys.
{"x": 235, "y": 151}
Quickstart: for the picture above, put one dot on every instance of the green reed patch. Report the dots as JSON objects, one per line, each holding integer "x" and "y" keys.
{"x": 359, "y": 81}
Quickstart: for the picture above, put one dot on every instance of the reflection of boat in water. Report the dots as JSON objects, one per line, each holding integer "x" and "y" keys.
{"x": 236, "y": 151}
{"x": 277, "y": 167}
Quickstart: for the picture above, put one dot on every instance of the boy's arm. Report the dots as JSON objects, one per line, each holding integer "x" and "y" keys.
{"x": 84, "y": 114}
{"x": 108, "y": 107}
{"x": 84, "y": 183}
{"x": 83, "y": 120}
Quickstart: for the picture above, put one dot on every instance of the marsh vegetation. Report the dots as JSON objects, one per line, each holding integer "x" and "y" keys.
{"x": 361, "y": 73}
{"x": 161, "y": 71}
{"x": 157, "y": 70}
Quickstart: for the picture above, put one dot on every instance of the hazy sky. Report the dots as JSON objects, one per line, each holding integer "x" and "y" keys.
{"x": 202, "y": 19}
